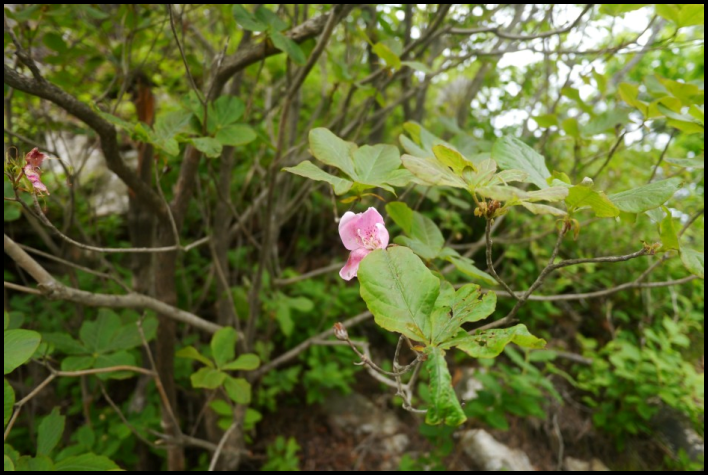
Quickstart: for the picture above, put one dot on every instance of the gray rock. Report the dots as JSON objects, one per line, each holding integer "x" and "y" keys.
{"x": 493, "y": 456}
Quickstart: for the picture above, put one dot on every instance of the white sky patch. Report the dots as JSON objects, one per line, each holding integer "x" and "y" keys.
{"x": 519, "y": 59}
{"x": 509, "y": 118}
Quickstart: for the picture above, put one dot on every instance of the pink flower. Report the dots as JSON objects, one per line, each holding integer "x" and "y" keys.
{"x": 361, "y": 233}
{"x": 34, "y": 159}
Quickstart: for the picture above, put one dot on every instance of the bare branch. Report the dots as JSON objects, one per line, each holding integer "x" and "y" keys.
{"x": 54, "y": 290}
{"x": 511, "y": 36}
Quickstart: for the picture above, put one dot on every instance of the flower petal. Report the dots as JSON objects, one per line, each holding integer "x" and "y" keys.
{"x": 382, "y": 235}
{"x": 35, "y": 158}
{"x": 34, "y": 178}
{"x": 353, "y": 226}
{"x": 347, "y": 230}
{"x": 369, "y": 219}
{"x": 350, "y": 269}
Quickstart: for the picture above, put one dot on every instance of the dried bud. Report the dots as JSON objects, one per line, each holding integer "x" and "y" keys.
{"x": 340, "y": 332}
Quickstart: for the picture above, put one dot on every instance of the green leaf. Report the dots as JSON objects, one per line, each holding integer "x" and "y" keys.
{"x": 192, "y": 353}
{"x": 669, "y": 238}
{"x": 308, "y": 170}
{"x": 9, "y": 466}
{"x": 490, "y": 343}
{"x": 19, "y": 346}
{"x": 570, "y": 126}
{"x": 695, "y": 162}
{"x": 331, "y": 150}
{"x": 207, "y": 378}
{"x": 40, "y": 463}
{"x": 628, "y": 93}
{"x": 9, "y": 401}
{"x": 418, "y": 66}
{"x": 581, "y": 196}
{"x": 238, "y": 389}
{"x": 546, "y": 120}
{"x": 120, "y": 358}
{"x": 209, "y": 146}
{"x": 512, "y": 153}
{"x": 620, "y": 9}
{"x": 222, "y": 408}
{"x": 247, "y": 362}
{"x": 468, "y": 305}
{"x": 452, "y": 159}
{"x": 49, "y": 432}
{"x": 7, "y": 320}
{"x": 235, "y": 135}
{"x": 466, "y": 266}
{"x": 682, "y": 14}
{"x": 543, "y": 209}
{"x": 168, "y": 125}
{"x": 285, "y": 320}
{"x": 224, "y": 111}
{"x": 384, "y": 52}
{"x": 427, "y": 232}
{"x": 401, "y": 214}
{"x": 502, "y": 193}
{"x": 246, "y": 19}
{"x": 86, "y": 463}
{"x": 373, "y": 164}
{"x": 117, "y": 121}
{"x": 77, "y": 363}
{"x": 444, "y": 406}
{"x": 292, "y": 49}
{"x": 693, "y": 261}
{"x": 271, "y": 19}
{"x": 400, "y": 291}
{"x": 252, "y": 418}
{"x": 13, "y": 211}
{"x": 223, "y": 346}
{"x": 97, "y": 335}
{"x": 64, "y": 343}
{"x": 646, "y": 197}
{"x": 431, "y": 172}
{"x": 420, "y": 248}
{"x": 129, "y": 336}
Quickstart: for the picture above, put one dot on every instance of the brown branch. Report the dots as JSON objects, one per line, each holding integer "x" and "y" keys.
{"x": 259, "y": 51}
{"x": 601, "y": 293}
{"x": 54, "y": 290}
{"x": 511, "y": 36}
{"x": 220, "y": 447}
{"x": 490, "y": 261}
{"x": 294, "y": 352}
{"x": 40, "y": 87}
{"x": 38, "y": 213}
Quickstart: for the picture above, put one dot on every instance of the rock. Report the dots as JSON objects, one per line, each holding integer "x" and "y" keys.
{"x": 678, "y": 432}
{"x": 493, "y": 456}
{"x": 576, "y": 465}
{"x": 355, "y": 414}
{"x": 469, "y": 386}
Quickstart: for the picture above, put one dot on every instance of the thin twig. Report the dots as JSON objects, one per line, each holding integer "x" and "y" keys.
{"x": 21, "y": 288}
{"x": 109, "y": 250}
{"x": 490, "y": 262}
{"x": 221, "y": 445}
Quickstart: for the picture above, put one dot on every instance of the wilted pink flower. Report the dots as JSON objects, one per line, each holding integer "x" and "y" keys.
{"x": 361, "y": 233}
{"x": 34, "y": 159}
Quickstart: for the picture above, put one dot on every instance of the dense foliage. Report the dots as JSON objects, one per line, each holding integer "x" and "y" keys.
{"x": 517, "y": 192}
